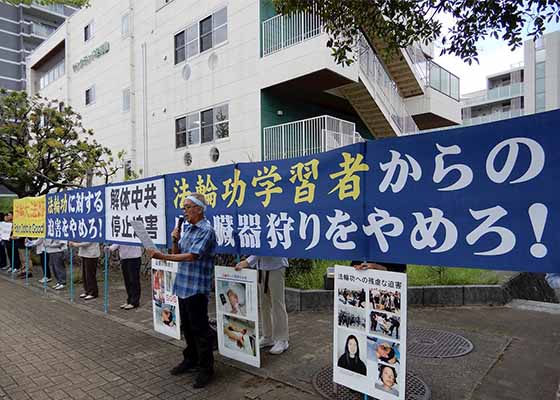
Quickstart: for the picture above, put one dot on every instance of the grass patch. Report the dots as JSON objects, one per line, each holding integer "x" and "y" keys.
{"x": 421, "y": 275}
{"x": 312, "y": 279}
{"x": 418, "y": 275}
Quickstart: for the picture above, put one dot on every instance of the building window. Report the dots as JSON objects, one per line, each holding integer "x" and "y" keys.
{"x": 180, "y": 47}
{"x": 540, "y": 88}
{"x": 126, "y": 100}
{"x": 51, "y": 75}
{"x": 180, "y": 132}
{"x": 202, "y": 127}
{"x": 90, "y": 95}
{"x": 88, "y": 31}
{"x": 199, "y": 37}
{"x": 125, "y": 25}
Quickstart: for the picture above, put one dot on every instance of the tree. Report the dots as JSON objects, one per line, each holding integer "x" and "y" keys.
{"x": 44, "y": 147}
{"x": 399, "y": 23}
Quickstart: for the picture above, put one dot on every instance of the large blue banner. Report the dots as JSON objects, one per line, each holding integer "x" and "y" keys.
{"x": 480, "y": 196}
{"x": 77, "y": 215}
{"x": 222, "y": 191}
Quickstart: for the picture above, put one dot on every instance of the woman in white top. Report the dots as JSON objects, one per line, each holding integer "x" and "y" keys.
{"x": 89, "y": 252}
{"x": 131, "y": 260}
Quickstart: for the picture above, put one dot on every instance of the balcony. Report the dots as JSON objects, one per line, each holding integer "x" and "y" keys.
{"x": 56, "y": 8}
{"x": 496, "y": 94}
{"x": 308, "y": 136}
{"x": 283, "y": 31}
{"x": 41, "y": 30}
{"x": 442, "y": 80}
{"x": 497, "y": 116}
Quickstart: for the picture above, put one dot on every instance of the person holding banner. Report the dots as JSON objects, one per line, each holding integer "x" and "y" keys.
{"x": 89, "y": 252}
{"x": 194, "y": 251}
{"x": 40, "y": 251}
{"x": 13, "y": 246}
{"x": 273, "y": 306}
{"x": 131, "y": 260}
{"x": 3, "y": 255}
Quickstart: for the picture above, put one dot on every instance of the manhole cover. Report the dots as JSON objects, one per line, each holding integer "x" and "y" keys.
{"x": 432, "y": 343}
{"x": 323, "y": 383}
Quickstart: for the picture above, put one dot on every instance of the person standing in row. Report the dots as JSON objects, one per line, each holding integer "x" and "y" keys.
{"x": 195, "y": 251}
{"x": 56, "y": 249}
{"x": 131, "y": 260}
{"x": 272, "y": 272}
{"x": 89, "y": 252}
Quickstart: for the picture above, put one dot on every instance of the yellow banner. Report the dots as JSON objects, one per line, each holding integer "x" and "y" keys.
{"x": 30, "y": 217}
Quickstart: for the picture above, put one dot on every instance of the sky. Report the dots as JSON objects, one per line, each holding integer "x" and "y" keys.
{"x": 494, "y": 56}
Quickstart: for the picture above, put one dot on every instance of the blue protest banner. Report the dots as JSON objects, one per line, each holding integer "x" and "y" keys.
{"x": 481, "y": 196}
{"x": 218, "y": 186}
{"x": 307, "y": 207}
{"x": 77, "y": 215}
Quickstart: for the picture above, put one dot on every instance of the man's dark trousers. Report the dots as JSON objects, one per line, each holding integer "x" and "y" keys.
{"x": 131, "y": 275}
{"x": 194, "y": 321}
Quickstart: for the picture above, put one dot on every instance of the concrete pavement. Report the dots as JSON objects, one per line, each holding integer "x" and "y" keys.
{"x": 47, "y": 344}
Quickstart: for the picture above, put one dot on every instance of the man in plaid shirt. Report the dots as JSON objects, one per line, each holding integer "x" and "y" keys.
{"x": 194, "y": 251}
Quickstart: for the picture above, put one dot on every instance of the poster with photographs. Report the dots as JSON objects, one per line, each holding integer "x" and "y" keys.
{"x": 165, "y": 302}
{"x": 237, "y": 315}
{"x": 369, "y": 351}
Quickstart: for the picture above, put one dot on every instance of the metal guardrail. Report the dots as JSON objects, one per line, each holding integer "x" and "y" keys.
{"x": 307, "y": 136}
{"x": 385, "y": 88}
{"x": 282, "y": 31}
{"x": 498, "y": 116}
{"x": 496, "y": 94}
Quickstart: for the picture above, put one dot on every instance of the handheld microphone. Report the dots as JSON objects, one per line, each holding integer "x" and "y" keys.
{"x": 180, "y": 222}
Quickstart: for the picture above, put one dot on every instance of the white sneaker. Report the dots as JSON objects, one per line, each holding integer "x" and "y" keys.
{"x": 42, "y": 280}
{"x": 60, "y": 286}
{"x": 83, "y": 295}
{"x": 89, "y": 297}
{"x": 279, "y": 347}
{"x": 124, "y": 305}
{"x": 266, "y": 342}
{"x": 55, "y": 287}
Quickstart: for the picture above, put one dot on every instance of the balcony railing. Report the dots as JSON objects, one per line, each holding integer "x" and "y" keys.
{"x": 497, "y": 116}
{"x": 385, "y": 89}
{"x": 282, "y": 31}
{"x": 442, "y": 80}
{"x": 308, "y": 136}
{"x": 495, "y": 94}
{"x": 57, "y": 8}
{"x": 42, "y": 30}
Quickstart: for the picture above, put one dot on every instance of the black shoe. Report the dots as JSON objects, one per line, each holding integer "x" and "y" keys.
{"x": 203, "y": 379}
{"x": 184, "y": 367}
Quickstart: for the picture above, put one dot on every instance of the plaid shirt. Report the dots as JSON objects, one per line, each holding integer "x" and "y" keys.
{"x": 195, "y": 277}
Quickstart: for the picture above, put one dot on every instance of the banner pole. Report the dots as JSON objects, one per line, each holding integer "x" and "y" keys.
{"x": 13, "y": 266}
{"x": 71, "y": 277}
{"x": 26, "y": 267}
{"x": 105, "y": 283}
{"x": 45, "y": 271}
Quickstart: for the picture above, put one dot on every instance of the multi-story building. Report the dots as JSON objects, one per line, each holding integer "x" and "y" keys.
{"x": 183, "y": 84}
{"x": 525, "y": 88}
{"x": 22, "y": 29}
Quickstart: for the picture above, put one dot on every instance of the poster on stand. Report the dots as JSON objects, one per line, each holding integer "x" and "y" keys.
{"x": 165, "y": 303}
{"x": 142, "y": 200}
{"x": 369, "y": 350}
{"x": 237, "y": 315}
{"x": 5, "y": 230}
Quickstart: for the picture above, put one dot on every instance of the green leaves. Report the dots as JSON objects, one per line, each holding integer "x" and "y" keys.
{"x": 42, "y": 148}
{"x": 399, "y": 23}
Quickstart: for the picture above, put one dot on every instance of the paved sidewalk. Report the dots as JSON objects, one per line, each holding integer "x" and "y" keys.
{"x": 516, "y": 351}
{"x": 56, "y": 351}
